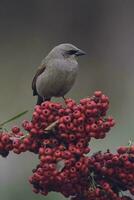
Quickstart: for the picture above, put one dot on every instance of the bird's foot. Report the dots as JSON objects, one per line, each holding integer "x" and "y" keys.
{"x": 64, "y": 98}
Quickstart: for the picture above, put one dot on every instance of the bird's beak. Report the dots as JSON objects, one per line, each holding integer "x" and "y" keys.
{"x": 80, "y": 53}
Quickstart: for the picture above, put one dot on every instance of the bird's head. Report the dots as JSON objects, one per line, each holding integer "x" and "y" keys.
{"x": 65, "y": 51}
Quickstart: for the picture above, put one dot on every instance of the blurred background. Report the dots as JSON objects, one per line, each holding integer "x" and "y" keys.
{"x": 28, "y": 31}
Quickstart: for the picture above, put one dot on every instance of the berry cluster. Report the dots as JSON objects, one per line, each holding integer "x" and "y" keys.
{"x": 113, "y": 173}
{"x": 60, "y": 135}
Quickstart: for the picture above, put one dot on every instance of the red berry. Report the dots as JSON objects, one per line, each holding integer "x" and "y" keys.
{"x": 98, "y": 93}
{"x": 15, "y": 129}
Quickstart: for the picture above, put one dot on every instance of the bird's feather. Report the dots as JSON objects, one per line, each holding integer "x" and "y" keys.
{"x": 40, "y": 70}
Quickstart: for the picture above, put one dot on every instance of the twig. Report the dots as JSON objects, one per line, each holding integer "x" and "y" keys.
{"x": 51, "y": 126}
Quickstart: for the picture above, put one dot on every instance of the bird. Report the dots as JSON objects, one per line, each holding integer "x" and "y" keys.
{"x": 57, "y": 72}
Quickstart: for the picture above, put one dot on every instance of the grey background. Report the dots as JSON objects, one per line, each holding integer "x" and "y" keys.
{"x": 28, "y": 31}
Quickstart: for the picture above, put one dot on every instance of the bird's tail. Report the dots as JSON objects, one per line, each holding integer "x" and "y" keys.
{"x": 41, "y": 99}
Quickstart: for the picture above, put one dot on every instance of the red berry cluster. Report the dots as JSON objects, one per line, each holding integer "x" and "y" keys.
{"x": 60, "y": 135}
{"x": 63, "y": 167}
{"x": 113, "y": 173}
{"x": 5, "y": 144}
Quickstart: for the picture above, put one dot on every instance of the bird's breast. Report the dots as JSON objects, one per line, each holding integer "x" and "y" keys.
{"x": 58, "y": 78}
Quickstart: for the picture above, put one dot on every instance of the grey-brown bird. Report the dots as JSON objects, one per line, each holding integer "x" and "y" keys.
{"x": 57, "y": 72}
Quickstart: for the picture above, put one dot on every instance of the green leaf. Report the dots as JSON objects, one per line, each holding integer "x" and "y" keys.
{"x": 13, "y": 118}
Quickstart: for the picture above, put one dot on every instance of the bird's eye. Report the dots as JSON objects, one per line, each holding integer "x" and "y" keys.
{"x": 71, "y": 52}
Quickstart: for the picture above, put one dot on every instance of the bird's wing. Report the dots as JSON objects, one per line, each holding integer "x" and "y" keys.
{"x": 40, "y": 70}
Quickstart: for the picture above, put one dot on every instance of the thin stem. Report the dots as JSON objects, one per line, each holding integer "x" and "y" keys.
{"x": 13, "y": 118}
{"x": 51, "y": 126}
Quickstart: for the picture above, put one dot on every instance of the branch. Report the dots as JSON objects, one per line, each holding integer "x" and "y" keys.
{"x": 51, "y": 126}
